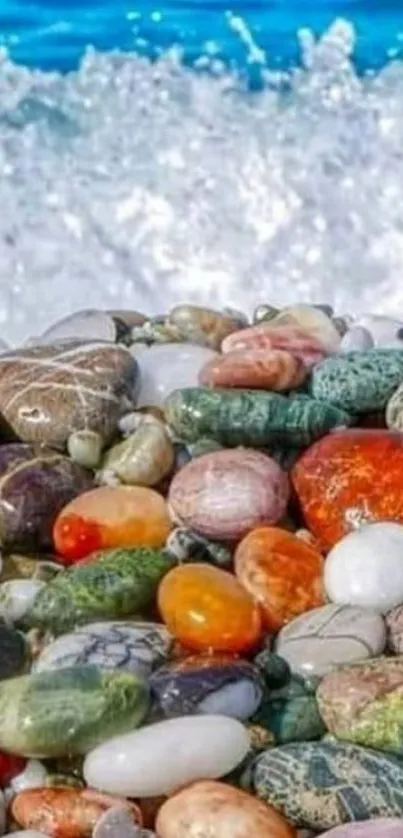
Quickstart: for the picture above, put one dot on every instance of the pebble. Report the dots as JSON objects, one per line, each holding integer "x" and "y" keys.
{"x": 85, "y": 448}
{"x": 281, "y": 572}
{"x": 315, "y": 320}
{"x": 225, "y": 494}
{"x": 365, "y": 568}
{"x": 316, "y": 642}
{"x": 394, "y": 628}
{"x": 35, "y": 484}
{"x": 110, "y": 585}
{"x": 17, "y": 597}
{"x": 117, "y": 822}
{"x": 290, "y": 337}
{"x": 394, "y": 410}
{"x": 319, "y": 785}
{"x": 166, "y": 367}
{"x": 341, "y": 482}
{"x": 13, "y": 652}
{"x": 134, "y": 646}
{"x": 163, "y": 757}
{"x": 218, "y": 811}
{"x": 356, "y": 339}
{"x": 358, "y": 382}
{"x": 142, "y": 459}
{"x": 69, "y": 711}
{"x": 89, "y": 324}
{"x": 185, "y": 545}
{"x": 255, "y": 368}
{"x": 376, "y": 828}
{"x": 291, "y": 712}
{"x": 207, "y": 609}
{"x": 219, "y": 685}
{"x": 384, "y": 330}
{"x": 111, "y": 516}
{"x": 47, "y": 392}
{"x": 250, "y": 418}
{"x": 33, "y": 776}
{"x": 363, "y": 703}
{"x": 66, "y": 813}
{"x": 204, "y": 326}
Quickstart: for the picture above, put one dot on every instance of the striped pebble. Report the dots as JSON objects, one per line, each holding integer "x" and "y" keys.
{"x": 259, "y": 369}
{"x": 290, "y": 338}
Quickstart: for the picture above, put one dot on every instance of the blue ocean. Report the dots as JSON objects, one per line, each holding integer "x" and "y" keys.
{"x": 197, "y": 151}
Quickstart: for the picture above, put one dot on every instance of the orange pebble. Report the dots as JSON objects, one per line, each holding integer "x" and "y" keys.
{"x": 215, "y": 810}
{"x": 111, "y": 516}
{"x": 207, "y": 609}
{"x": 65, "y": 812}
{"x": 267, "y": 369}
{"x": 282, "y": 573}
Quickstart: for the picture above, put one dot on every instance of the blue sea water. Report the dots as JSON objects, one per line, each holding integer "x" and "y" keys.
{"x": 223, "y": 154}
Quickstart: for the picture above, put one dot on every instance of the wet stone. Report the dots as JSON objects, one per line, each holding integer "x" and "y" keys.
{"x": 187, "y": 546}
{"x": 291, "y": 712}
{"x": 136, "y": 647}
{"x": 13, "y": 652}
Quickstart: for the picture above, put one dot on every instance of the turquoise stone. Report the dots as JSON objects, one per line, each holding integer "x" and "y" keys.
{"x": 69, "y": 711}
{"x": 318, "y": 785}
{"x": 358, "y": 382}
{"x": 249, "y": 417}
{"x": 291, "y": 713}
{"x": 113, "y": 584}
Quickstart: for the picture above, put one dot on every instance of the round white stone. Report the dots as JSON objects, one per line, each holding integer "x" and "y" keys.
{"x": 366, "y": 568}
{"x": 163, "y": 757}
{"x": 384, "y": 330}
{"x": 318, "y": 641}
{"x": 357, "y": 339}
{"x": 17, "y": 596}
{"x": 168, "y": 367}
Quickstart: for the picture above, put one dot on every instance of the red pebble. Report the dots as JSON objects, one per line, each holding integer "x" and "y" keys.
{"x": 75, "y": 538}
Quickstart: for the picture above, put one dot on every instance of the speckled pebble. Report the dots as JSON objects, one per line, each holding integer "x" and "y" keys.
{"x": 358, "y": 382}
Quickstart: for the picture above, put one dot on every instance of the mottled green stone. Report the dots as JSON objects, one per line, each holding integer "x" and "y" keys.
{"x": 319, "y": 785}
{"x": 115, "y": 583}
{"x": 250, "y": 417}
{"x": 70, "y": 711}
{"x": 274, "y": 669}
{"x": 358, "y": 382}
{"x": 291, "y": 713}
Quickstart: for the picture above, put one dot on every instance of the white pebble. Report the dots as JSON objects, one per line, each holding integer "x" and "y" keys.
{"x": 357, "y": 339}
{"x": 163, "y": 757}
{"x": 168, "y": 367}
{"x": 366, "y": 568}
{"x": 33, "y": 777}
{"x": 17, "y": 596}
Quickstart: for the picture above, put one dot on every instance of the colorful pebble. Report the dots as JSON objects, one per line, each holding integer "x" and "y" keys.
{"x": 258, "y": 369}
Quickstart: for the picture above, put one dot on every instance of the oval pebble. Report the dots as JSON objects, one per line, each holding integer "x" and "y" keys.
{"x": 138, "y": 647}
{"x": 319, "y": 785}
{"x": 17, "y": 596}
{"x": 117, "y": 823}
{"x": 166, "y": 367}
{"x": 366, "y": 568}
{"x": 215, "y": 810}
{"x": 162, "y": 757}
{"x": 318, "y": 641}
{"x": 226, "y": 493}
{"x": 259, "y": 369}
{"x": 377, "y": 828}
{"x": 356, "y": 339}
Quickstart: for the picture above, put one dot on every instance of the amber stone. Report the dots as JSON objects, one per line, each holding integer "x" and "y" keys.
{"x": 349, "y": 478}
{"x": 111, "y": 516}
{"x": 259, "y": 369}
{"x": 282, "y": 572}
{"x": 207, "y": 609}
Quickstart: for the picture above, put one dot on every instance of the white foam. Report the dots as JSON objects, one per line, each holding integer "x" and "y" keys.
{"x": 131, "y": 184}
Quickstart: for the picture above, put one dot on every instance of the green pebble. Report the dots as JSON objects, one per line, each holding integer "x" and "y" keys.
{"x": 358, "y": 382}
{"x": 116, "y": 583}
{"x": 291, "y": 713}
{"x": 250, "y": 417}
{"x": 69, "y": 711}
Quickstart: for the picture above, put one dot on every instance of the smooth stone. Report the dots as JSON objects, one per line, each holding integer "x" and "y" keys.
{"x": 313, "y": 320}
{"x": 161, "y": 758}
{"x": 341, "y": 482}
{"x": 225, "y": 494}
{"x": 118, "y": 823}
{"x": 358, "y": 382}
{"x": 250, "y": 418}
{"x": 363, "y": 703}
{"x": 142, "y": 459}
{"x": 384, "y": 330}
{"x": 319, "y": 785}
{"x": 85, "y": 448}
{"x": 13, "y": 652}
{"x": 167, "y": 367}
{"x": 205, "y": 326}
{"x": 47, "y": 392}
{"x": 394, "y": 628}
{"x": 215, "y": 810}
{"x": 33, "y": 777}
{"x": 273, "y": 668}
{"x": 35, "y": 484}
{"x": 265, "y": 369}
{"x": 377, "y": 828}
{"x": 291, "y": 712}
{"x": 289, "y": 337}
{"x": 356, "y": 339}
{"x": 69, "y": 711}
{"x": 212, "y": 685}
{"x": 136, "y": 647}
{"x": 318, "y": 641}
{"x": 112, "y": 584}
{"x": 89, "y": 324}
{"x": 187, "y": 546}
{"x": 17, "y": 597}
{"x": 365, "y": 568}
